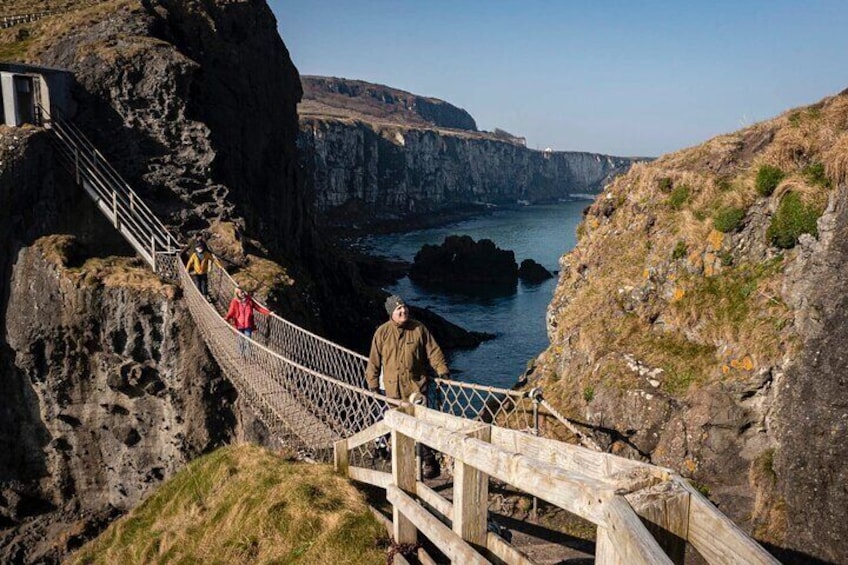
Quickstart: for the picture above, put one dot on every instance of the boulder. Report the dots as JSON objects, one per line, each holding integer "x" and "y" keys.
{"x": 460, "y": 259}
{"x": 532, "y": 272}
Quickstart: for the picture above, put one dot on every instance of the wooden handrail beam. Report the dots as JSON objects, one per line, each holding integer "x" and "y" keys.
{"x": 625, "y": 539}
{"x": 445, "y": 539}
{"x": 368, "y": 434}
{"x": 380, "y": 479}
{"x": 717, "y": 538}
{"x": 569, "y": 490}
{"x": 598, "y": 465}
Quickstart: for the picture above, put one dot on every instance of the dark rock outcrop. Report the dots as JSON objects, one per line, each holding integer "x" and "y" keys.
{"x": 532, "y": 272}
{"x": 106, "y": 385}
{"x": 460, "y": 259}
{"x": 203, "y": 99}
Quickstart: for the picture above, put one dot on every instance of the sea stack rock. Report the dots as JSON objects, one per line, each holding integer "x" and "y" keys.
{"x": 460, "y": 259}
{"x": 532, "y": 272}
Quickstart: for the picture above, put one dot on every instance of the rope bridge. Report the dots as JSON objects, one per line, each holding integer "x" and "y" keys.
{"x": 310, "y": 393}
{"x": 307, "y": 390}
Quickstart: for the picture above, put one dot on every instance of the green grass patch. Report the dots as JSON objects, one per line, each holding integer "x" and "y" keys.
{"x": 588, "y": 393}
{"x": 680, "y": 250}
{"x": 700, "y": 487}
{"x": 683, "y": 362}
{"x": 679, "y": 196}
{"x": 677, "y": 382}
{"x": 793, "y": 218}
{"x": 815, "y": 174}
{"x": 728, "y": 219}
{"x": 768, "y": 177}
{"x": 724, "y": 184}
{"x": 16, "y": 51}
{"x": 726, "y": 299}
{"x": 665, "y": 184}
{"x": 245, "y": 505}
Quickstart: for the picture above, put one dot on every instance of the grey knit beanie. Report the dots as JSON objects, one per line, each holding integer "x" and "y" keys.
{"x": 393, "y": 302}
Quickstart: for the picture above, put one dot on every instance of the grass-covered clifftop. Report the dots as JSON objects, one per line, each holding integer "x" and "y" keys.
{"x": 686, "y": 321}
{"x": 245, "y": 505}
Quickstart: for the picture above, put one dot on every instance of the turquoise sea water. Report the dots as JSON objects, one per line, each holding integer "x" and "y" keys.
{"x": 542, "y": 233}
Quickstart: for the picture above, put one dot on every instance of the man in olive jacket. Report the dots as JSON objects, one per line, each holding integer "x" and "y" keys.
{"x": 402, "y": 348}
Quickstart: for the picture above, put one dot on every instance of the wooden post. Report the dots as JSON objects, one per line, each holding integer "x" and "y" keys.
{"x": 340, "y": 457}
{"x": 403, "y": 473}
{"x": 664, "y": 509}
{"x": 471, "y": 496}
{"x": 605, "y": 553}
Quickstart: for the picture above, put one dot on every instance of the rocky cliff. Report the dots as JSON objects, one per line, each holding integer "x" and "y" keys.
{"x": 372, "y": 162}
{"x": 107, "y": 387}
{"x": 698, "y": 324}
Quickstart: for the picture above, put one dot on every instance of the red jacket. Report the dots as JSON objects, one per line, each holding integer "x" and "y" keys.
{"x": 241, "y": 312}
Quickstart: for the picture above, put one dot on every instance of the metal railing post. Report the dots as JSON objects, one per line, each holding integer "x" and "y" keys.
{"x": 115, "y": 207}
{"x": 153, "y": 251}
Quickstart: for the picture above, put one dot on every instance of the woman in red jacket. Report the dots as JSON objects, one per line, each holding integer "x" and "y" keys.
{"x": 241, "y": 315}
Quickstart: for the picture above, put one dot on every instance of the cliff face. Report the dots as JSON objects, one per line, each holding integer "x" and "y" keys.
{"x": 107, "y": 387}
{"x": 363, "y": 171}
{"x": 698, "y": 324}
{"x": 202, "y": 96}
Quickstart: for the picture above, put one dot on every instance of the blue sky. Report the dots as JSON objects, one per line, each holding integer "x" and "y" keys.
{"x": 622, "y": 77}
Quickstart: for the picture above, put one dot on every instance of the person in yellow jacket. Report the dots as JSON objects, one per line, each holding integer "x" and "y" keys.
{"x": 401, "y": 351}
{"x": 198, "y": 267}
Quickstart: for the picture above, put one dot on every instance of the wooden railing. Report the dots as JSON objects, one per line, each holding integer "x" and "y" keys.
{"x": 644, "y": 514}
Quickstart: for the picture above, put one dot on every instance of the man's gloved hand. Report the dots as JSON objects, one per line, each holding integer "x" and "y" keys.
{"x": 373, "y": 389}
{"x": 444, "y": 376}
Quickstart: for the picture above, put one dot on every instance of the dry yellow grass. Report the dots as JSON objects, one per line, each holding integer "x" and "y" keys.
{"x": 25, "y": 42}
{"x": 112, "y": 272}
{"x": 245, "y": 505}
{"x": 652, "y": 278}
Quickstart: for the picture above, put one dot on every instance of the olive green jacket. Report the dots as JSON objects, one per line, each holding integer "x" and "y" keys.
{"x": 403, "y": 352}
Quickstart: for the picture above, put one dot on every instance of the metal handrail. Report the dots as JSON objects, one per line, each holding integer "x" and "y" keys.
{"x": 129, "y": 213}
{"x": 114, "y": 179}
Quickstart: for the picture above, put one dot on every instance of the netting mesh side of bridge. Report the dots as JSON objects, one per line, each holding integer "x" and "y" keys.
{"x": 508, "y": 408}
{"x": 309, "y": 391}
{"x": 303, "y": 409}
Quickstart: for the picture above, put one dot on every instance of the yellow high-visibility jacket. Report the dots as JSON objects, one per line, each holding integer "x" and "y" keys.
{"x": 200, "y": 266}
